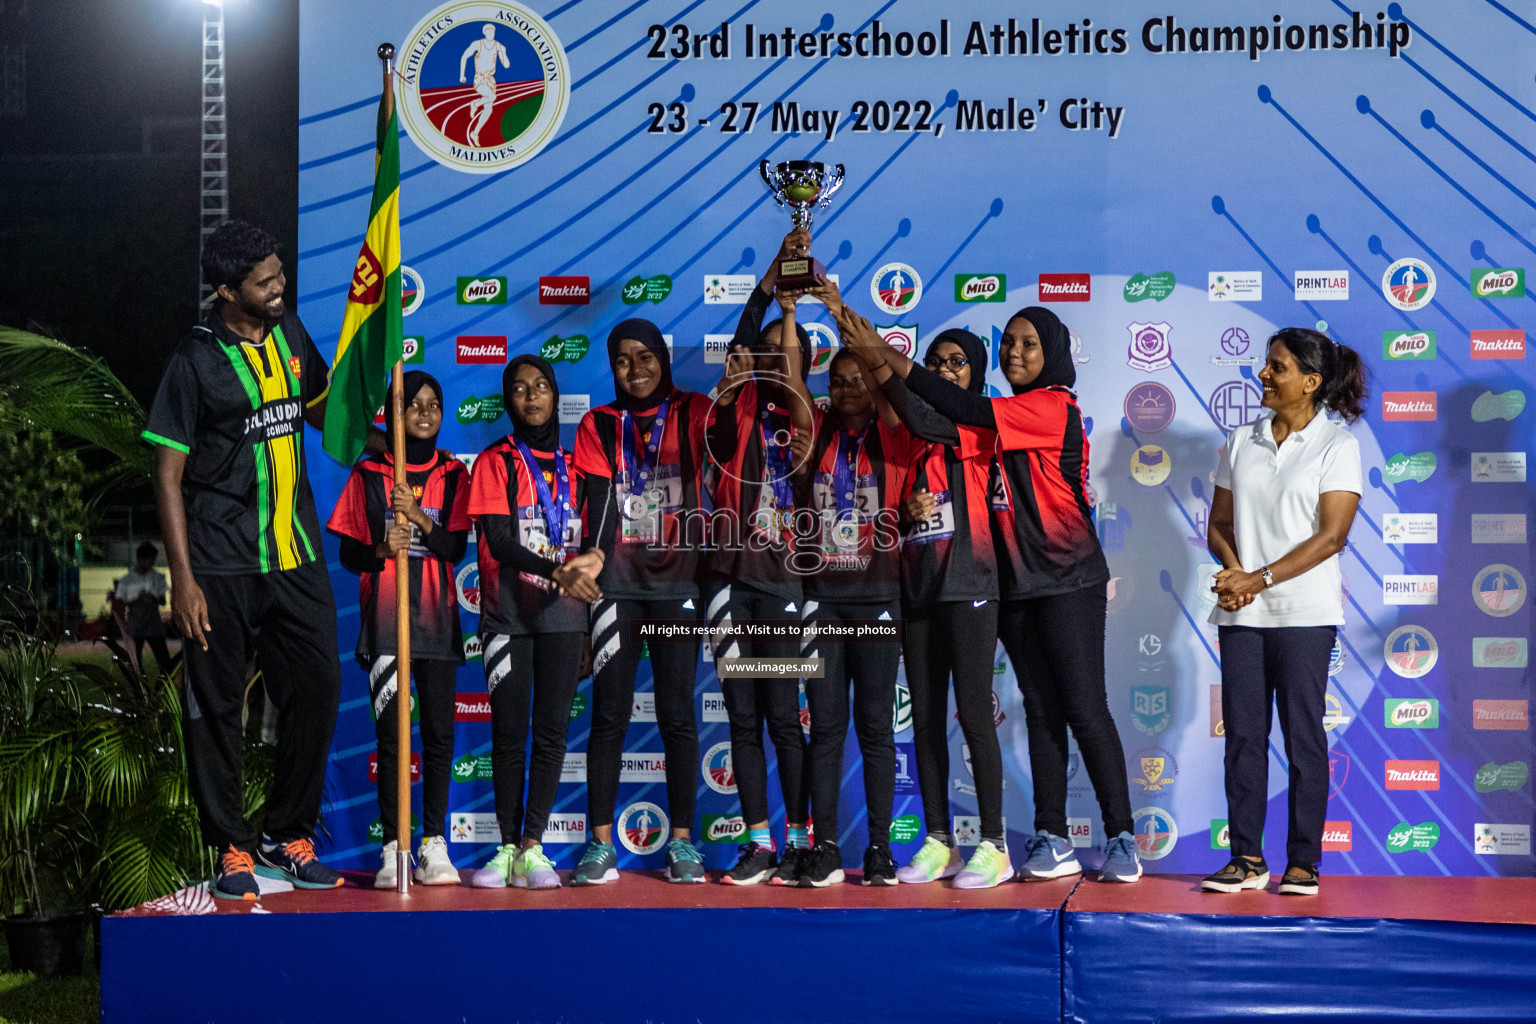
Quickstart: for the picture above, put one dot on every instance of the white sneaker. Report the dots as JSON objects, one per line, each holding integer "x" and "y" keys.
{"x": 387, "y": 875}
{"x": 432, "y": 864}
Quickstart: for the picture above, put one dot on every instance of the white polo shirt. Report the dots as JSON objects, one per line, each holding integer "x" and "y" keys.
{"x": 1275, "y": 492}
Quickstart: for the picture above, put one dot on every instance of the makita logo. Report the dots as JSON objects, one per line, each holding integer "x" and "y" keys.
{"x": 481, "y": 348}
{"x": 373, "y": 767}
{"x": 1065, "y": 287}
{"x": 1338, "y": 835}
{"x": 1413, "y": 774}
{"x": 565, "y": 291}
{"x": 1408, "y": 405}
{"x": 1498, "y": 344}
{"x": 472, "y": 707}
{"x": 1500, "y": 714}
{"x": 1411, "y": 711}
{"x": 979, "y": 287}
{"x": 1498, "y": 283}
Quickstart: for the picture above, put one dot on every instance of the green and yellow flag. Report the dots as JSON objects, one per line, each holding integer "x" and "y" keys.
{"x": 372, "y": 335}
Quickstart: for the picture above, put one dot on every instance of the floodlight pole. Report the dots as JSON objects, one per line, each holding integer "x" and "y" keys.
{"x": 215, "y": 149}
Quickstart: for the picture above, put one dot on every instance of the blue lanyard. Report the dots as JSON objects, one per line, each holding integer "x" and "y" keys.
{"x": 777, "y": 460}
{"x": 557, "y": 508}
{"x": 845, "y": 471}
{"x": 642, "y": 469}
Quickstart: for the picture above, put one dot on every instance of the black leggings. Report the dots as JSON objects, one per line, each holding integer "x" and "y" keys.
{"x": 959, "y": 638}
{"x": 871, "y": 667}
{"x": 752, "y": 704}
{"x": 529, "y": 677}
{"x": 615, "y": 658}
{"x": 1056, "y": 645}
{"x": 435, "y": 682}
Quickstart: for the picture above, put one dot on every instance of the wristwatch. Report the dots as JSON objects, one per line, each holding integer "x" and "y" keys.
{"x": 1269, "y": 577}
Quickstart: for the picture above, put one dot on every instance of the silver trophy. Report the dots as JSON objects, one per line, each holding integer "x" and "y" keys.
{"x": 804, "y": 186}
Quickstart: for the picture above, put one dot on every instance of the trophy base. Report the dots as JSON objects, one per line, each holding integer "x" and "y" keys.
{"x": 797, "y": 274}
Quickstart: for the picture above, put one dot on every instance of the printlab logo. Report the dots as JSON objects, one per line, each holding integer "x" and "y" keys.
{"x": 1322, "y": 285}
{"x": 1411, "y": 651}
{"x": 1141, "y": 287}
{"x": 565, "y": 828}
{"x": 718, "y": 773}
{"x": 1150, "y": 348}
{"x": 482, "y": 291}
{"x": 1508, "y": 343}
{"x": 642, "y": 766}
{"x": 1236, "y": 403}
{"x": 1402, "y": 468}
{"x": 642, "y": 828}
{"x": 1500, "y": 652}
{"x": 493, "y": 116}
{"x": 1234, "y": 346}
{"x": 1408, "y": 284}
{"x": 1409, "y": 405}
{"x": 1149, "y": 408}
{"x": 565, "y": 291}
{"x": 1499, "y": 590}
{"x": 1503, "y": 283}
{"x": 1065, "y": 287}
{"x": 1149, "y": 709}
{"x": 1413, "y": 714}
{"x": 896, "y": 288}
{"x": 1156, "y": 832}
{"x": 1402, "y": 345}
{"x": 1503, "y": 406}
{"x": 1410, "y": 589}
{"x": 981, "y": 287}
{"x": 1234, "y": 286}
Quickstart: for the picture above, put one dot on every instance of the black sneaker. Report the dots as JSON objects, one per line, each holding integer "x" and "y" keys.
{"x": 755, "y": 865}
{"x": 1304, "y": 885}
{"x": 791, "y": 865}
{"x": 879, "y": 867}
{"x": 296, "y": 862}
{"x": 824, "y": 867}
{"x": 236, "y": 877}
{"x": 1239, "y": 874}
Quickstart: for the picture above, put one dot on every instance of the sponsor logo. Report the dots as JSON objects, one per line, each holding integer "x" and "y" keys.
{"x": 1503, "y": 406}
{"x": 896, "y": 288}
{"x": 1413, "y": 774}
{"x": 1411, "y": 528}
{"x": 1497, "y": 840}
{"x": 1150, "y": 465}
{"x": 983, "y": 287}
{"x": 900, "y": 337}
{"x": 1408, "y": 405}
{"x": 1150, "y": 349}
{"x": 1158, "y": 770}
{"x": 412, "y": 291}
{"x": 480, "y": 348}
{"x": 644, "y": 708}
{"x": 1149, "y": 709}
{"x": 467, "y": 583}
{"x": 906, "y": 761}
{"x": 373, "y": 768}
{"x": 565, "y": 828}
{"x": 1141, "y": 287}
{"x": 724, "y": 828}
{"x": 574, "y": 767}
{"x": 823, "y": 343}
{"x": 472, "y": 648}
{"x": 1494, "y": 777}
{"x": 1078, "y": 359}
{"x": 579, "y": 705}
{"x": 1066, "y": 287}
{"x": 1408, "y": 284}
{"x": 712, "y": 708}
{"x": 1401, "y": 345}
{"x": 728, "y": 289}
{"x": 1156, "y": 832}
{"x": 1401, "y": 468}
{"x": 1514, "y": 715}
{"x": 1080, "y": 832}
{"x": 717, "y": 347}
{"x": 645, "y": 289}
{"x": 901, "y": 709}
{"x": 508, "y": 111}
{"x": 376, "y": 828}
{"x": 574, "y": 407}
{"x": 475, "y": 409}
{"x": 1336, "y": 659}
{"x": 905, "y": 828}
{"x": 565, "y": 291}
{"x": 1218, "y": 726}
{"x": 1234, "y": 285}
{"x": 484, "y": 291}
{"x": 1507, "y": 343}
{"x": 471, "y": 707}
{"x": 1500, "y": 652}
{"x": 1333, "y": 713}
{"x": 1235, "y": 403}
{"x": 1234, "y": 346}
{"x": 1499, "y": 590}
{"x": 1500, "y": 283}
{"x": 471, "y": 768}
{"x": 1418, "y": 713}
{"x": 1410, "y": 589}
{"x": 643, "y": 766}
{"x": 1498, "y": 467}
{"x": 1411, "y": 651}
{"x": 1338, "y": 836}
{"x": 718, "y": 773}
{"x": 1338, "y": 772}
{"x": 1221, "y": 834}
{"x": 473, "y": 828}
{"x": 642, "y": 828}
{"x": 1404, "y": 837}
{"x": 565, "y": 350}
{"x": 1322, "y": 285}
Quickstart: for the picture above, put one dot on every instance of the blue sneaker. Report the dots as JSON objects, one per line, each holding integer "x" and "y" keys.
{"x": 1048, "y": 856}
{"x": 599, "y": 864}
{"x": 1121, "y": 861}
{"x": 684, "y": 862}
{"x": 296, "y": 862}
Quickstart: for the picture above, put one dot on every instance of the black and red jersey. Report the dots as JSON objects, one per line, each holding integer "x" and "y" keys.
{"x": 950, "y": 555}
{"x": 517, "y": 596}
{"x": 1045, "y": 535}
{"x": 855, "y": 487}
{"x": 363, "y": 514}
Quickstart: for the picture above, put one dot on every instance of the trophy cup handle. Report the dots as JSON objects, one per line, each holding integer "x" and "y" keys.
{"x": 775, "y": 188}
{"x": 832, "y": 186}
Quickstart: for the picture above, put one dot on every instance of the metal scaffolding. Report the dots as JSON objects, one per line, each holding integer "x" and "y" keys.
{"x": 215, "y": 162}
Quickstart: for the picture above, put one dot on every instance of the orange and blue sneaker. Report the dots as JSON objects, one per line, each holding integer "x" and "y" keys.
{"x": 295, "y": 861}
{"x": 236, "y": 878}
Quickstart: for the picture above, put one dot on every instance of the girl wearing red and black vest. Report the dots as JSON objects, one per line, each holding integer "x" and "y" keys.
{"x": 534, "y": 587}
{"x": 640, "y": 456}
{"x": 1052, "y": 581}
{"x": 427, "y": 517}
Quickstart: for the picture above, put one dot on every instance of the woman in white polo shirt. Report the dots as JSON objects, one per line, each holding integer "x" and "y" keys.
{"x": 1287, "y": 487}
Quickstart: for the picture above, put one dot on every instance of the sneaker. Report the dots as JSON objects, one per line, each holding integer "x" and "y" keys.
{"x": 236, "y": 878}
{"x": 532, "y": 870}
{"x": 497, "y": 873}
{"x": 823, "y": 867}
{"x": 1121, "y": 861}
{"x": 295, "y": 861}
{"x": 988, "y": 866}
{"x": 1304, "y": 885}
{"x": 879, "y": 866}
{"x": 684, "y": 862}
{"x": 1048, "y": 856}
{"x": 756, "y": 864}
{"x": 599, "y": 865}
{"x": 934, "y": 861}
{"x": 388, "y": 870}
{"x": 432, "y": 864}
{"x": 791, "y": 866}
{"x": 1239, "y": 874}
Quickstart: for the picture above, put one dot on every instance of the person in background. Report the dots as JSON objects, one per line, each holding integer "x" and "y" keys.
{"x": 139, "y": 596}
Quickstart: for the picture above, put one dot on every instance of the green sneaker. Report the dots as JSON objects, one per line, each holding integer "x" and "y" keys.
{"x": 684, "y": 862}
{"x": 987, "y": 867}
{"x": 533, "y": 870}
{"x": 497, "y": 870}
{"x": 934, "y": 861}
{"x": 599, "y": 864}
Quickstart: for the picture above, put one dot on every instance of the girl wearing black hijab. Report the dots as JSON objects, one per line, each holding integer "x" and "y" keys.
{"x": 534, "y": 585}
{"x": 426, "y": 516}
{"x": 1052, "y": 580}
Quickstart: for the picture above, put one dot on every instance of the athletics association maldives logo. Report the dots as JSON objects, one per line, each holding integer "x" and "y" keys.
{"x": 896, "y": 288}
{"x": 1156, "y": 832}
{"x": 718, "y": 773}
{"x": 1411, "y": 651}
{"x": 642, "y": 828}
{"x": 1499, "y": 590}
{"x": 483, "y": 86}
{"x": 468, "y": 585}
{"x": 1408, "y": 284}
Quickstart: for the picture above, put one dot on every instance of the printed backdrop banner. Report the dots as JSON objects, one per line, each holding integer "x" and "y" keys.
{"x": 1176, "y": 183}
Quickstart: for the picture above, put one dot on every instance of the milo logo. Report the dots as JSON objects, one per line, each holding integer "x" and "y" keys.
{"x": 1504, "y": 283}
{"x": 1494, "y": 777}
{"x": 472, "y": 768}
{"x": 1408, "y": 344}
{"x": 414, "y": 349}
{"x": 905, "y": 828}
{"x": 484, "y": 291}
{"x": 1401, "y": 468}
{"x": 724, "y": 828}
{"x": 980, "y": 287}
{"x": 1405, "y": 837}
{"x": 1413, "y": 714}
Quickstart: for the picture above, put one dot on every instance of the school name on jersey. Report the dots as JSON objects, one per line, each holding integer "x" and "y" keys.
{"x": 275, "y": 419}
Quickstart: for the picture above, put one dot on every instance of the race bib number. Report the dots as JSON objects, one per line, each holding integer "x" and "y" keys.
{"x": 997, "y": 489}
{"x": 533, "y": 534}
{"x": 938, "y": 526}
{"x": 663, "y": 496}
